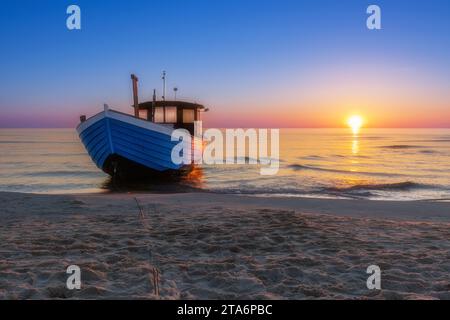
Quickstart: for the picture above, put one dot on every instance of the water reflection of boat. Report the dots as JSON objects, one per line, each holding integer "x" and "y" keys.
{"x": 139, "y": 145}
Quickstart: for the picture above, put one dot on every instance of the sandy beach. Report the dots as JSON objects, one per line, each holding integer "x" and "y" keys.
{"x": 210, "y": 246}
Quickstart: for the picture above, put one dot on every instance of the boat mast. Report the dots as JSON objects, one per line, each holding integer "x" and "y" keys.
{"x": 153, "y": 105}
{"x": 135, "y": 95}
{"x": 164, "y": 85}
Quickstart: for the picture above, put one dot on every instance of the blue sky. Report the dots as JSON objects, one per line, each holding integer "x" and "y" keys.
{"x": 241, "y": 58}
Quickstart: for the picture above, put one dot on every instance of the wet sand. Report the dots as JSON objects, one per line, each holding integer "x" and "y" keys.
{"x": 210, "y": 246}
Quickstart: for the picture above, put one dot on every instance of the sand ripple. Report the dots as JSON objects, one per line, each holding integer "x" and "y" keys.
{"x": 213, "y": 251}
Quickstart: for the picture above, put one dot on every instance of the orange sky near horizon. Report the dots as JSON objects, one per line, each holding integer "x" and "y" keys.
{"x": 389, "y": 94}
{"x": 334, "y": 118}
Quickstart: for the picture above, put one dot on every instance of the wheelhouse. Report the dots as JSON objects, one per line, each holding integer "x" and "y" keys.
{"x": 175, "y": 114}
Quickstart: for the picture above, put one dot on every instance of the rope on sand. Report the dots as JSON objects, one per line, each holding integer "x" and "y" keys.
{"x": 155, "y": 271}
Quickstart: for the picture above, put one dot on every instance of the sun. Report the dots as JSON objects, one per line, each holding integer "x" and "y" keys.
{"x": 355, "y": 123}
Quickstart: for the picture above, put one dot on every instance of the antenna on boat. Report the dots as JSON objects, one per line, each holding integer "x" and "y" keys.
{"x": 175, "y": 92}
{"x": 153, "y": 105}
{"x": 164, "y": 85}
{"x": 135, "y": 95}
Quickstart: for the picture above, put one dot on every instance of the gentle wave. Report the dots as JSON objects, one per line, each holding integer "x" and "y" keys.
{"x": 257, "y": 190}
{"x": 36, "y": 142}
{"x": 311, "y": 157}
{"x": 402, "y": 146}
{"x": 298, "y": 167}
{"x": 430, "y": 140}
{"x": 366, "y": 191}
{"x": 62, "y": 173}
{"x": 401, "y": 186}
{"x": 362, "y": 191}
{"x": 374, "y": 138}
{"x": 250, "y": 160}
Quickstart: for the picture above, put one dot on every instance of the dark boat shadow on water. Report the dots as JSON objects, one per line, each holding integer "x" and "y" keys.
{"x": 189, "y": 180}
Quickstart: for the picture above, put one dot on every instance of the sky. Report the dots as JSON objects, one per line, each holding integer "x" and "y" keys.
{"x": 253, "y": 63}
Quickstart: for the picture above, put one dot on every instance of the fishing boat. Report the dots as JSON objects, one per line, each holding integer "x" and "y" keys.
{"x": 140, "y": 145}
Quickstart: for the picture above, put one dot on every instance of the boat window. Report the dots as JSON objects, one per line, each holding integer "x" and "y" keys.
{"x": 171, "y": 114}
{"x": 159, "y": 114}
{"x": 143, "y": 114}
{"x": 188, "y": 116}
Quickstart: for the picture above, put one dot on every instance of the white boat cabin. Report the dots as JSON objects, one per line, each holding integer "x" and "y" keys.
{"x": 175, "y": 114}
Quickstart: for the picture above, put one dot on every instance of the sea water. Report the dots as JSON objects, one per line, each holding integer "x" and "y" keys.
{"x": 377, "y": 164}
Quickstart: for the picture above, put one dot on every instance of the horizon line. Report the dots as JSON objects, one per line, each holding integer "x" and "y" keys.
{"x": 281, "y": 127}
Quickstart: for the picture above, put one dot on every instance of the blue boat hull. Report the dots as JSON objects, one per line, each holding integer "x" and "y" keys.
{"x": 127, "y": 147}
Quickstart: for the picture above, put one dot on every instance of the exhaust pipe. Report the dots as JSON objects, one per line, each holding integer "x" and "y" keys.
{"x": 135, "y": 95}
